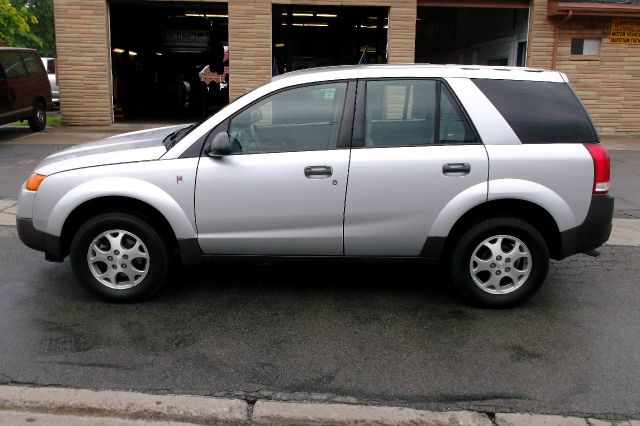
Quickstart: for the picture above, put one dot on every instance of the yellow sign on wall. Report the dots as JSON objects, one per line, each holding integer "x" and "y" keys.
{"x": 625, "y": 31}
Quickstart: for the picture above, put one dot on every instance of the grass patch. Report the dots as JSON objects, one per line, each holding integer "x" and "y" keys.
{"x": 52, "y": 121}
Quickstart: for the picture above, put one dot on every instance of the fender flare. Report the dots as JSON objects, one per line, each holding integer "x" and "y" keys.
{"x": 126, "y": 187}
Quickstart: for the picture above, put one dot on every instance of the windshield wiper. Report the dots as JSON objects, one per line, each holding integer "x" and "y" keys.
{"x": 173, "y": 138}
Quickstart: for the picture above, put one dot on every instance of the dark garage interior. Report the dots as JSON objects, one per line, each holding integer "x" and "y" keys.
{"x": 472, "y": 35}
{"x": 306, "y": 36}
{"x": 168, "y": 60}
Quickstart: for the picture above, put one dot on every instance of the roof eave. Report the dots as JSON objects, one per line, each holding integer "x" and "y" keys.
{"x": 561, "y": 8}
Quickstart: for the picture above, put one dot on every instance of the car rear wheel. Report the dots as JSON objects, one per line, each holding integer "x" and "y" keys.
{"x": 38, "y": 119}
{"x": 119, "y": 257}
{"x": 499, "y": 262}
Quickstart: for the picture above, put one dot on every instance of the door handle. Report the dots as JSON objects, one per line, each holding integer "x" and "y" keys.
{"x": 456, "y": 169}
{"x": 318, "y": 172}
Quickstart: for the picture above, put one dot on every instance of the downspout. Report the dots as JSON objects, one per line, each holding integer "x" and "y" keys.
{"x": 556, "y": 31}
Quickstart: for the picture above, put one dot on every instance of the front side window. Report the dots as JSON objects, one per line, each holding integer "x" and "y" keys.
{"x": 33, "y": 63}
{"x": 12, "y": 64}
{"x": 412, "y": 113}
{"x": 304, "y": 118}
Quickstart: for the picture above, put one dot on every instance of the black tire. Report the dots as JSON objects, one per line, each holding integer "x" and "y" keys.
{"x": 461, "y": 263}
{"x": 38, "y": 119}
{"x": 155, "y": 246}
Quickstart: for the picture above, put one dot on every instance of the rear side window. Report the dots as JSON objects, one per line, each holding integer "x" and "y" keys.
{"x": 12, "y": 64}
{"x": 33, "y": 63}
{"x": 540, "y": 111}
{"x": 413, "y": 112}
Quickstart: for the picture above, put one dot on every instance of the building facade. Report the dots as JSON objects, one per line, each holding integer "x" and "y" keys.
{"x": 597, "y": 44}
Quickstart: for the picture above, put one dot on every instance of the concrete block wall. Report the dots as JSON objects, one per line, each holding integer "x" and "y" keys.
{"x": 84, "y": 74}
{"x": 250, "y": 37}
{"x": 609, "y": 83}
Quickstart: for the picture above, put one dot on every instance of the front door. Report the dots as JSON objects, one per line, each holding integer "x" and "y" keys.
{"x": 282, "y": 190}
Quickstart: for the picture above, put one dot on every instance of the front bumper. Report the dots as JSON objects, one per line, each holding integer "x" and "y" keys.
{"x": 593, "y": 232}
{"x": 38, "y": 240}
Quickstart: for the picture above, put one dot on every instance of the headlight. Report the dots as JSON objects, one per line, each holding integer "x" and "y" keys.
{"x": 34, "y": 181}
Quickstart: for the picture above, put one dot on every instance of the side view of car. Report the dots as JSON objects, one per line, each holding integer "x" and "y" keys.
{"x": 50, "y": 66}
{"x": 490, "y": 171}
{"x": 25, "y": 93}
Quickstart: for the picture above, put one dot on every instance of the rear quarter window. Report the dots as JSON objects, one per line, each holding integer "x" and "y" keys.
{"x": 33, "y": 63}
{"x": 540, "y": 111}
{"x": 12, "y": 64}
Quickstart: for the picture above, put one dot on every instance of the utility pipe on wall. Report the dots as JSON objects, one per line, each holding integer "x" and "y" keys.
{"x": 556, "y": 31}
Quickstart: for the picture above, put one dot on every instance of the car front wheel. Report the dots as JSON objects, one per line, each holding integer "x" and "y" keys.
{"x": 119, "y": 257}
{"x": 499, "y": 262}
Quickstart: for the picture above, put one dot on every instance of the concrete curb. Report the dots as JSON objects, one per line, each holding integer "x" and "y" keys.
{"x": 70, "y": 407}
{"x": 128, "y": 405}
{"x": 289, "y": 413}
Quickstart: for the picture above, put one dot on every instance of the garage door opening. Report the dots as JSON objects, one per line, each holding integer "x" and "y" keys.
{"x": 472, "y": 35}
{"x": 306, "y": 36}
{"x": 169, "y": 61}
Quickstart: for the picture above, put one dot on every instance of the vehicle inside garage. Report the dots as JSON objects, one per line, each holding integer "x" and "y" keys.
{"x": 472, "y": 35}
{"x": 306, "y": 36}
{"x": 168, "y": 59}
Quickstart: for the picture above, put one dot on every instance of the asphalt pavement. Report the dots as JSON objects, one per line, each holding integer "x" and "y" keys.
{"x": 368, "y": 333}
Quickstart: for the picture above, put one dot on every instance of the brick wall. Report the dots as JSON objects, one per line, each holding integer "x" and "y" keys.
{"x": 83, "y": 61}
{"x": 250, "y": 37}
{"x": 609, "y": 84}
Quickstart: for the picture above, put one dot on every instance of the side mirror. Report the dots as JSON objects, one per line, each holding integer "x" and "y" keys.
{"x": 219, "y": 146}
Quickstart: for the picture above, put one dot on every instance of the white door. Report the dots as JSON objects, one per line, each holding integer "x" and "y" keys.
{"x": 282, "y": 190}
{"x": 417, "y": 153}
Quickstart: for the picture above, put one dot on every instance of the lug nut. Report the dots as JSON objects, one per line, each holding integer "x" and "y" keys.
{"x": 116, "y": 252}
{"x": 498, "y": 272}
{"x": 114, "y": 266}
{"x": 125, "y": 257}
{"x": 507, "y": 269}
{"x": 507, "y": 260}
{"x": 493, "y": 265}
{"x": 110, "y": 258}
{"x": 497, "y": 257}
{"x": 124, "y": 266}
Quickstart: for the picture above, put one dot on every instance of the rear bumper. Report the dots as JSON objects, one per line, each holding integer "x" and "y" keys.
{"x": 593, "y": 232}
{"x": 38, "y": 240}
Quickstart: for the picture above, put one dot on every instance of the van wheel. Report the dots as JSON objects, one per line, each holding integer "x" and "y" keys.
{"x": 38, "y": 119}
{"x": 119, "y": 257}
{"x": 499, "y": 262}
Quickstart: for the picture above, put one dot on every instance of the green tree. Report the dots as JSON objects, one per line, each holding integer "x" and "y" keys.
{"x": 43, "y": 29}
{"x": 15, "y": 25}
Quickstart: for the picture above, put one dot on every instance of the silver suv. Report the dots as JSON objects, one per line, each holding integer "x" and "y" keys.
{"x": 491, "y": 170}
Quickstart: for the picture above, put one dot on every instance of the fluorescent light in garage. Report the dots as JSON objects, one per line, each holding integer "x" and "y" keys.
{"x": 326, "y": 15}
{"x": 302, "y": 14}
{"x": 117, "y": 50}
{"x": 132, "y": 53}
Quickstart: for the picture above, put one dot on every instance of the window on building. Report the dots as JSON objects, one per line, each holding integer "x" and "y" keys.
{"x": 585, "y": 46}
{"x": 301, "y": 119}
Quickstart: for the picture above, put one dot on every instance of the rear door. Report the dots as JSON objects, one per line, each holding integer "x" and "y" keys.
{"x": 6, "y": 101}
{"x": 414, "y": 151}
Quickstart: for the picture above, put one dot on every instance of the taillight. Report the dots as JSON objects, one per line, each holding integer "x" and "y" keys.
{"x": 601, "y": 168}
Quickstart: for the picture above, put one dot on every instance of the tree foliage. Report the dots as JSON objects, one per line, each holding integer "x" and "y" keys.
{"x": 15, "y": 24}
{"x": 33, "y": 25}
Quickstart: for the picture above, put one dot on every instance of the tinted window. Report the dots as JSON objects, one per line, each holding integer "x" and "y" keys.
{"x": 33, "y": 63}
{"x": 454, "y": 127}
{"x": 540, "y": 111}
{"x": 412, "y": 112}
{"x": 300, "y": 119}
{"x": 12, "y": 64}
